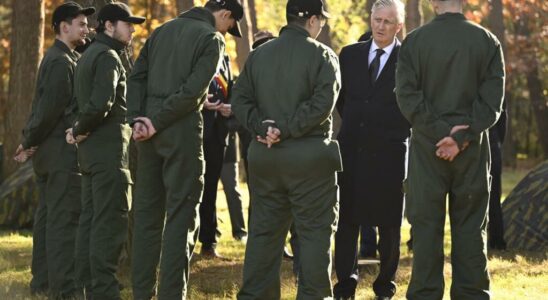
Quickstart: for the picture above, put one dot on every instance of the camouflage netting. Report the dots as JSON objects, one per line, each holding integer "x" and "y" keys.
{"x": 525, "y": 212}
{"x": 18, "y": 198}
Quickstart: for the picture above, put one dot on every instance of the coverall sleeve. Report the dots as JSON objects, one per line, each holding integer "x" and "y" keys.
{"x": 316, "y": 110}
{"x": 411, "y": 100}
{"x": 341, "y": 99}
{"x": 244, "y": 104}
{"x": 190, "y": 94}
{"x": 487, "y": 107}
{"x": 103, "y": 95}
{"x": 137, "y": 86}
{"x": 51, "y": 105}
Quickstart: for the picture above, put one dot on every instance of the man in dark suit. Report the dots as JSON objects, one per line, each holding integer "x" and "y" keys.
{"x": 495, "y": 228}
{"x": 373, "y": 141}
{"x": 215, "y": 113}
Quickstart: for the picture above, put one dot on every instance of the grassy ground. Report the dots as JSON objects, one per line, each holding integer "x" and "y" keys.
{"x": 515, "y": 275}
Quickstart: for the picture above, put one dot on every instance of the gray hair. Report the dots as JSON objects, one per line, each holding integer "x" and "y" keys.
{"x": 400, "y": 8}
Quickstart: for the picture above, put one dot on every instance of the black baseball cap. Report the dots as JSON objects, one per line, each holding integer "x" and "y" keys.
{"x": 306, "y": 8}
{"x": 69, "y": 10}
{"x": 118, "y": 11}
{"x": 237, "y": 10}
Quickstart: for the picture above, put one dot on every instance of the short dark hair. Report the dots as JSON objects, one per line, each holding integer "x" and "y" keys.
{"x": 296, "y": 20}
{"x": 101, "y": 27}
{"x": 57, "y": 26}
{"x": 212, "y": 6}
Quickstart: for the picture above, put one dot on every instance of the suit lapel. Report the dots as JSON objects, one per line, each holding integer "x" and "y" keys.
{"x": 390, "y": 64}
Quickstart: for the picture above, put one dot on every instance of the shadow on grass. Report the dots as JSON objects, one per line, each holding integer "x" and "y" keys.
{"x": 519, "y": 256}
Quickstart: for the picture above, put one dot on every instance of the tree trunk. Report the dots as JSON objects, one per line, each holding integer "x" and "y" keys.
{"x": 252, "y": 16}
{"x": 159, "y": 10}
{"x": 413, "y": 17}
{"x": 539, "y": 105}
{"x": 184, "y": 5}
{"x": 243, "y": 44}
{"x": 496, "y": 25}
{"x": 368, "y": 6}
{"x": 27, "y": 40}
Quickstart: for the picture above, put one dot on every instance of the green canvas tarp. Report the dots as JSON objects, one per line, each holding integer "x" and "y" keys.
{"x": 525, "y": 212}
{"x": 18, "y": 199}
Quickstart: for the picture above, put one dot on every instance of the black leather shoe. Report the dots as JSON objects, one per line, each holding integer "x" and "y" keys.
{"x": 211, "y": 253}
{"x": 382, "y": 298}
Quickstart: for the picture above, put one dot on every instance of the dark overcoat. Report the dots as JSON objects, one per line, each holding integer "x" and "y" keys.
{"x": 373, "y": 139}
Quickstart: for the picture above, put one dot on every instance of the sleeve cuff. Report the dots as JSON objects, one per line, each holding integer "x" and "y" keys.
{"x": 157, "y": 124}
{"x": 462, "y": 137}
{"x": 26, "y": 145}
{"x": 284, "y": 129}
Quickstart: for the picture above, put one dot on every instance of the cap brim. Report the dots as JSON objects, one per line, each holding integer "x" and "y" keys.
{"x": 88, "y": 11}
{"x": 326, "y": 14}
{"x": 135, "y": 20}
{"x": 235, "y": 31}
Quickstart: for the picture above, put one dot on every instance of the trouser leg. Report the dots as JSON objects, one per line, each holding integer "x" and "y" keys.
{"x": 295, "y": 248}
{"x": 496, "y": 226}
{"x": 314, "y": 206}
{"x": 346, "y": 259}
{"x": 468, "y": 205}
{"x": 184, "y": 181}
{"x": 229, "y": 178}
{"x": 268, "y": 225}
{"x": 111, "y": 196}
{"x": 63, "y": 205}
{"x": 427, "y": 187}
{"x": 82, "y": 260}
{"x": 149, "y": 217}
{"x": 39, "y": 264}
{"x": 368, "y": 241}
{"x": 213, "y": 151}
{"x": 389, "y": 252}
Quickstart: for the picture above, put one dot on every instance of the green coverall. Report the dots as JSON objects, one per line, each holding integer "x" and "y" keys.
{"x": 450, "y": 72}
{"x": 168, "y": 84}
{"x": 294, "y": 81}
{"x": 57, "y": 175}
{"x": 100, "y": 89}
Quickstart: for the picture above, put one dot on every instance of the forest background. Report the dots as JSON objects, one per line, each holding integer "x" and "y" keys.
{"x": 521, "y": 26}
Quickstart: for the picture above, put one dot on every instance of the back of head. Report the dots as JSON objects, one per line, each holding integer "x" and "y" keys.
{"x": 299, "y": 11}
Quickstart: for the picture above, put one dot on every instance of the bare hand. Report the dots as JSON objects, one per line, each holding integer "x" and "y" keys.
{"x": 225, "y": 110}
{"x": 458, "y": 128}
{"x": 272, "y": 137}
{"x": 149, "y": 126}
{"x": 212, "y": 105}
{"x": 74, "y": 140}
{"x": 448, "y": 148}
{"x": 140, "y": 131}
{"x": 22, "y": 155}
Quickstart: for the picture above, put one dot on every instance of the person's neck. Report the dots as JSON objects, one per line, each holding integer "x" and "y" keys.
{"x": 70, "y": 45}
{"x": 448, "y": 7}
{"x": 383, "y": 45}
{"x": 445, "y": 10}
{"x": 311, "y": 32}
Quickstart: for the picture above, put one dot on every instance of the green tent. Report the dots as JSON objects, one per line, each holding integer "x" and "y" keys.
{"x": 18, "y": 198}
{"x": 525, "y": 212}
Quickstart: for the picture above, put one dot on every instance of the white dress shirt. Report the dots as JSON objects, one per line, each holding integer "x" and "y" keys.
{"x": 384, "y": 57}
